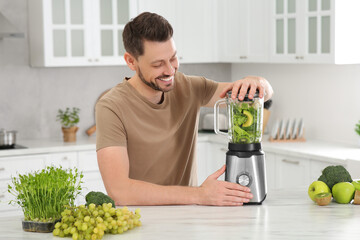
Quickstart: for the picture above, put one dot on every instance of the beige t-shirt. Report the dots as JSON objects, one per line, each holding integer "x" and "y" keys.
{"x": 160, "y": 138}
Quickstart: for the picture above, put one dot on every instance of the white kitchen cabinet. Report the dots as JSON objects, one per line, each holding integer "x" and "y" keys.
{"x": 12, "y": 167}
{"x": 85, "y": 161}
{"x": 314, "y": 31}
{"x": 65, "y": 160}
{"x": 218, "y": 157}
{"x": 194, "y": 24}
{"x": 316, "y": 168}
{"x": 210, "y": 158}
{"x": 92, "y": 181}
{"x": 243, "y": 31}
{"x": 201, "y": 161}
{"x": 271, "y": 171}
{"x": 292, "y": 171}
{"x": 78, "y": 32}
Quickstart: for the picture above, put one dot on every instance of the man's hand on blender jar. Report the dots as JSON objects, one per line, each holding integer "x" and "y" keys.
{"x": 250, "y": 82}
{"x": 216, "y": 192}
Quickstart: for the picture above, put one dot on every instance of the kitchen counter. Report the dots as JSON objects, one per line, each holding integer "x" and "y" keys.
{"x": 286, "y": 214}
{"x": 314, "y": 149}
{"x": 39, "y": 146}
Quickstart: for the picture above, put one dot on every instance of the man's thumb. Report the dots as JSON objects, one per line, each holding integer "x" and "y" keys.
{"x": 218, "y": 173}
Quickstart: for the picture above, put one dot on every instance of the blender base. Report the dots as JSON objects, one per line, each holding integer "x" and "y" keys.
{"x": 255, "y": 203}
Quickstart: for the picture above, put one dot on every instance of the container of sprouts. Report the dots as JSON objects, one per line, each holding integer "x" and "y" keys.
{"x": 43, "y": 195}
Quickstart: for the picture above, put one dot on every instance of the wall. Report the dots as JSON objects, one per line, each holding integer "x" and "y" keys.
{"x": 30, "y": 97}
{"x": 327, "y": 97}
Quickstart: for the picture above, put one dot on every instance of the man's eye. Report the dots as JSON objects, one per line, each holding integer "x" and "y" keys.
{"x": 157, "y": 66}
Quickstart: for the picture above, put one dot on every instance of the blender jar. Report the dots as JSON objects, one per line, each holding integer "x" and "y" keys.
{"x": 244, "y": 117}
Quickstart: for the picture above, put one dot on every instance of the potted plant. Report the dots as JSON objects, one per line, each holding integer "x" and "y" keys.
{"x": 43, "y": 195}
{"x": 69, "y": 119}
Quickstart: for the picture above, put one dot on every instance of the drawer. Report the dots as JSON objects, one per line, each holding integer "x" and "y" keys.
{"x": 87, "y": 161}
{"x": 5, "y": 197}
{"x": 66, "y": 160}
{"x": 12, "y": 166}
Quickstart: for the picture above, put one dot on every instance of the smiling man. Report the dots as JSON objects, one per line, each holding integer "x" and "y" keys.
{"x": 147, "y": 125}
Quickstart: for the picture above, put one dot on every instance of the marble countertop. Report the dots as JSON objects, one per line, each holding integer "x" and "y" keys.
{"x": 285, "y": 214}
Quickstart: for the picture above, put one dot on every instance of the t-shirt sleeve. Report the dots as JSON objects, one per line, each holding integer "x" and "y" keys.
{"x": 110, "y": 130}
{"x": 204, "y": 88}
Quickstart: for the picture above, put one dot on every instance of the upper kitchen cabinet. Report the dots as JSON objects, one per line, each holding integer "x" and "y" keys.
{"x": 78, "y": 32}
{"x": 194, "y": 24}
{"x": 243, "y": 30}
{"x": 314, "y": 31}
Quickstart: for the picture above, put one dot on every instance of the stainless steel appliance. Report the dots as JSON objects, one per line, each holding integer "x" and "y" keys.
{"x": 245, "y": 160}
{"x": 8, "y": 140}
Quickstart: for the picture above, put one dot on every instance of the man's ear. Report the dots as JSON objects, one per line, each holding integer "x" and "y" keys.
{"x": 130, "y": 61}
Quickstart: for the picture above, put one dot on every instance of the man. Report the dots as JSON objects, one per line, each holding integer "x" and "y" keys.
{"x": 147, "y": 125}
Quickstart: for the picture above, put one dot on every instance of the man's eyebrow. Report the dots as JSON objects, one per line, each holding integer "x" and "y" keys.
{"x": 160, "y": 60}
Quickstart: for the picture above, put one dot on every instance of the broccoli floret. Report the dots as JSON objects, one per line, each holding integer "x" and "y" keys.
{"x": 98, "y": 198}
{"x": 332, "y": 175}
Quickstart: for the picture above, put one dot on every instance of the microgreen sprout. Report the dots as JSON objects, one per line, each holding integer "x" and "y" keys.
{"x": 43, "y": 194}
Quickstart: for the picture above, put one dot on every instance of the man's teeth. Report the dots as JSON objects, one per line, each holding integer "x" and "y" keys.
{"x": 166, "y": 79}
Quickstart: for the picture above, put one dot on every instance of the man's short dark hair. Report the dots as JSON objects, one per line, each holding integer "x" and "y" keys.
{"x": 146, "y": 26}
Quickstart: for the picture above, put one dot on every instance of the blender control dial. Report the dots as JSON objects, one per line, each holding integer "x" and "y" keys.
{"x": 244, "y": 179}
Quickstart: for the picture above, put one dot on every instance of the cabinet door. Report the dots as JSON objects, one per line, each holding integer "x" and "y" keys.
{"x": 11, "y": 167}
{"x": 316, "y": 168}
{"x": 65, "y": 160}
{"x": 285, "y": 29}
{"x": 109, "y": 20}
{"x": 292, "y": 171}
{"x": 271, "y": 172}
{"x": 243, "y": 28}
{"x": 318, "y": 31}
{"x": 218, "y": 158}
{"x": 194, "y": 24}
{"x": 67, "y": 37}
{"x": 92, "y": 181}
{"x": 196, "y": 31}
{"x": 202, "y": 157}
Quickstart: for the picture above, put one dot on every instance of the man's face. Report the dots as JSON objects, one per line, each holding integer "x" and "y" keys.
{"x": 158, "y": 65}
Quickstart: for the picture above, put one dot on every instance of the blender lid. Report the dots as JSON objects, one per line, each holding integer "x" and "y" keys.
{"x": 256, "y": 95}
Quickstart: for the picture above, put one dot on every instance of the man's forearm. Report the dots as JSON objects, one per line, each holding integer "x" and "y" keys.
{"x": 135, "y": 192}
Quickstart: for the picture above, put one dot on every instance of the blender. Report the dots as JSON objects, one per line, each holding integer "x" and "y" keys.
{"x": 245, "y": 160}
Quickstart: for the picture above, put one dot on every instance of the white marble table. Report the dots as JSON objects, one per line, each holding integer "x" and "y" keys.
{"x": 286, "y": 214}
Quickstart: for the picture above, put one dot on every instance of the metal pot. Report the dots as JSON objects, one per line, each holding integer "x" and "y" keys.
{"x": 7, "y": 138}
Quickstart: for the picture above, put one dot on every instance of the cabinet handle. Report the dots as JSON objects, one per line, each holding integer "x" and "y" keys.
{"x": 65, "y": 158}
{"x": 2, "y": 169}
{"x": 291, "y": 161}
{"x": 243, "y": 57}
{"x": 2, "y": 196}
{"x": 96, "y": 60}
{"x": 299, "y": 57}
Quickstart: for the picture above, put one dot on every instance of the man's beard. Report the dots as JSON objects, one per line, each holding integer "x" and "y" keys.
{"x": 153, "y": 85}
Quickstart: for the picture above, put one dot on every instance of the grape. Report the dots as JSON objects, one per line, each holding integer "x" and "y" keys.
{"x": 92, "y": 222}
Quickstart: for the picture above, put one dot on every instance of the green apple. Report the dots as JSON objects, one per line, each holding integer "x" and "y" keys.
{"x": 356, "y": 184}
{"x": 316, "y": 188}
{"x": 343, "y": 192}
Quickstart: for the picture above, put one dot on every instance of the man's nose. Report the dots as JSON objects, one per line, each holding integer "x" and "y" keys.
{"x": 170, "y": 69}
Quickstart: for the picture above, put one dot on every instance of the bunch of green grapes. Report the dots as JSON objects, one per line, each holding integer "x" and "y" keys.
{"x": 93, "y": 222}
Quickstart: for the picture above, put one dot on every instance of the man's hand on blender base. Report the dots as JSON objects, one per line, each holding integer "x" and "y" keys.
{"x": 252, "y": 83}
{"x": 222, "y": 193}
